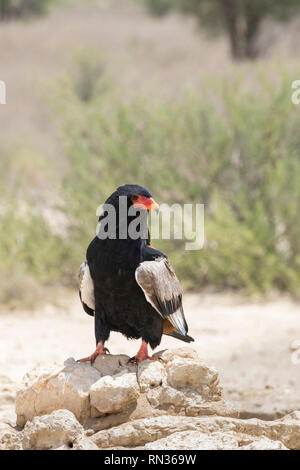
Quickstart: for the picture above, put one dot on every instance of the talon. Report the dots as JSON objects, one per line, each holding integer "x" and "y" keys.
{"x": 157, "y": 358}
{"x": 142, "y": 355}
{"x": 132, "y": 360}
{"x": 100, "y": 349}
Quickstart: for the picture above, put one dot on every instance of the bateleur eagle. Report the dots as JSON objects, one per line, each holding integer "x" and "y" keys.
{"x": 130, "y": 287}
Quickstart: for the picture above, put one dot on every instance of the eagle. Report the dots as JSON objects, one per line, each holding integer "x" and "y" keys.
{"x": 127, "y": 285}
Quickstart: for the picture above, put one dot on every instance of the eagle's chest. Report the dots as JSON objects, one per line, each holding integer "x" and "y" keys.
{"x": 115, "y": 285}
{"x": 113, "y": 270}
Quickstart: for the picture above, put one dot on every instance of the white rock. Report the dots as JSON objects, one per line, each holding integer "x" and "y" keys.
{"x": 193, "y": 440}
{"x": 151, "y": 374}
{"x": 190, "y": 373}
{"x": 44, "y": 390}
{"x": 181, "y": 384}
{"x": 9, "y": 438}
{"x": 114, "y": 394}
{"x": 248, "y": 432}
{"x": 174, "y": 404}
{"x": 58, "y": 430}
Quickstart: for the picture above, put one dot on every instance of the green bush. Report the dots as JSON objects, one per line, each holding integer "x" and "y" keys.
{"x": 31, "y": 254}
{"x": 233, "y": 149}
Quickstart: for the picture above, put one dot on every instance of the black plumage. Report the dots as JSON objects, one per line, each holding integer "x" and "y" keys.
{"x": 129, "y": 286}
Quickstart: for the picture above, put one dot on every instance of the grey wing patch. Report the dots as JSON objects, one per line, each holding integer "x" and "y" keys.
{"x": 86, "y": 288}
{"x": 162, "y": 290}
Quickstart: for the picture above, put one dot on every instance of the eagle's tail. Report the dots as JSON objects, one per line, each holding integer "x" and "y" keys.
{"x": 186, "y": 338}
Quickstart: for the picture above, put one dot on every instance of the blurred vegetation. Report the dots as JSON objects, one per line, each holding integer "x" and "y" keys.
{"x": 22, "y": 8}
{"x": 241, "y": 20}
{"x": 234, "y": 149}
{"x": 31, "y": 253}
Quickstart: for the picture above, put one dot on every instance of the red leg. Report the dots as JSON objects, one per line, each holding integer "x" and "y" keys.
{"x": 100, "y": 349}
{"x": 143, "y": 353}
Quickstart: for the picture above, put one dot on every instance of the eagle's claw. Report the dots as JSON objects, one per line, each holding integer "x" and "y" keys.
{"x": 100, "y": 349}
{"x": 137, "y": 359}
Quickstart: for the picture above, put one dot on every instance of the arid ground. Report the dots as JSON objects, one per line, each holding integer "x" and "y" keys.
{"x": 250, "y": 342}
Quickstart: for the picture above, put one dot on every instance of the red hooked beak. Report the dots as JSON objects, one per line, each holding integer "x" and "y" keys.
{"x": 142, "y": 202}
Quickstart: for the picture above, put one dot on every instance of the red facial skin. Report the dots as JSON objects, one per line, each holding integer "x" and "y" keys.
{"x": 142, "y": 202}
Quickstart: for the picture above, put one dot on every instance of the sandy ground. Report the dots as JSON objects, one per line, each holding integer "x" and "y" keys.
{"x": 251, "y": 344}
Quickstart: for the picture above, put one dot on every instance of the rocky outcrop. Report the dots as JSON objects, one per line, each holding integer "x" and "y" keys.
{"x": 207, "y": 432}
{"x": 175, "y": 403}
{"x": 113, "y": 390}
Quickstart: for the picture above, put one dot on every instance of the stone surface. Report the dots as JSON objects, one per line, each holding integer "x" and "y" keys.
{"x": 110, "y": 364}
{"x": 194, "y": 440}
{"x": 217, "y": 432}
{"x": 150, "y": 374}
{"x": 44, "y": 390}
{"x": 184, "y": 385}
{"x": 175, "y": 403}
{"x": 179, "y": 384}
{"x": 9, "y": 438}
{"x": 114, "y": 394}
{"x": 60, "y": 428}
{"x": 188, "y": 372}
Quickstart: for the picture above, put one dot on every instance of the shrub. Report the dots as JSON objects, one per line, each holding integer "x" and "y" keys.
{"x": 233, "y": 149}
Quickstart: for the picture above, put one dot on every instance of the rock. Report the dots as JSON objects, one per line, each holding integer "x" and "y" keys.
{"x": 58, "y": 430}
{"x": 110, "y": 364}
{"x": 150, "y": 374}
{"x": 194, "y": 375}
{"x": 184, "y": 385}
{"x": 173, "y": 404}
{"x": 9, "y": 438}
{"x": 44, "y": 390}
{"x": 139, "y": 432}
{"x": 218, "y": 432}
{"x": 114, "y": 394}
{"x": 193, "y": 440}
{"x": 169, "y": 355}
{"x": 180, "y": 384}
{"x": 138, "y": 410}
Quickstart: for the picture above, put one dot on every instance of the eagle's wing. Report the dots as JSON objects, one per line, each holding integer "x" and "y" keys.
{"x": 86, "y": 289}
{"x": 162, "y": 290}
